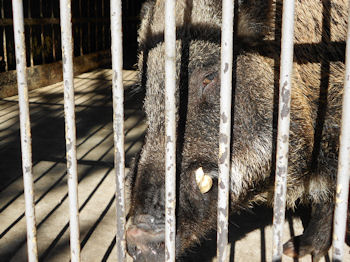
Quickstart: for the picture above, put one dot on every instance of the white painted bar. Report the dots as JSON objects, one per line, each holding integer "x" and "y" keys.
{"x": 170, "y": 130}
{"x": 223, "y": 251}
{"x": 26, "y": 140}
{"x": 69, "y": 107}
{"x": 118, "y": 124}
{"x": 285, "y": 85}
{"x": 342, "y": 189}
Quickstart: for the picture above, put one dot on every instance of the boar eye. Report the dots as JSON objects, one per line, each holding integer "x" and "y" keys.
{"x": 208, "y": 78}
{"x": 204, "y": 181}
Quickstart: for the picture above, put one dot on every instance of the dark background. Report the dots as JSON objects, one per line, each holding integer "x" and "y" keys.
{"x": 91, "y": 30}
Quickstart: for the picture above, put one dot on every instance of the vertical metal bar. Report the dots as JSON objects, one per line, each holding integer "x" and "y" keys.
{"x": 67, "y": 59}
{"x": 18, "y": 27}
{"x": 118, "y": 123}
{"x": 31, "y": 51}
{"x": 5, "y": 48}
{"x": 223, "y": 251}
{"x": 53, "y": 35}
{"x": 4, "y": 37}
{"x": 42, "y": 34}
{"x": 81, "y": 30}
{"x": 285, "y": 85}
{"x": 103, "y": 25}
{"x": 96, "y": 26}
{"x": 342, "y": 191}
{"x": 170, "y": 130}
{"x": 89, "y": 26}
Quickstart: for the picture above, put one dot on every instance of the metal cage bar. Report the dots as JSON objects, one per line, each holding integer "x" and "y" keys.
{"x": 71, "y": 154}
{"x": 26, "y": 147}
{"x": 342, "y": 189}
{"x": 170, "y": 130}
{"x": 4, "y": 37}
{"x": 96, "y": 26}
{"x": 88, "y": 27}
{"x": 42, "y": 37}
{"x": 103, "y": 25}
{"x": 285, "y": 85}
{"x": 53, "y": 35}
{"x": 223, "y": 251}
{"x": 81, "y": 30}
{"x": 118, "y": 123}
{"x": 31, "y": 49}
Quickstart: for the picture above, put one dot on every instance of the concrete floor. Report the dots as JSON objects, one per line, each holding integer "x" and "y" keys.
{"x": 250, "y": 233}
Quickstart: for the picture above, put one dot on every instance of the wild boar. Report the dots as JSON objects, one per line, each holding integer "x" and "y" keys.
{"x": 318, "y": 73}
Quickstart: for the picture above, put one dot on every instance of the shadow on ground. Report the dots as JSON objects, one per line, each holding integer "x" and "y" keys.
{"x": 47, "y": 126}
{"x": 240, "y": 225}
{"x": 94, "y": 113}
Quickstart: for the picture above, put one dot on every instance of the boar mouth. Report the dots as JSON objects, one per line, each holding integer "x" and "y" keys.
{"x": 145, "y": 245}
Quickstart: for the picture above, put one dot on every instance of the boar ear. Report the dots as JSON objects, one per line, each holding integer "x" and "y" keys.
{"x": 254, "y": 19}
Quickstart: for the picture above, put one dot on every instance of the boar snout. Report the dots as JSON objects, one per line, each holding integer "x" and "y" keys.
{"x": 145, "y": 239}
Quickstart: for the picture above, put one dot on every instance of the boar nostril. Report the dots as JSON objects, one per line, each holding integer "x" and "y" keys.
{"x": 144, "y": 219}
{"x": 148, "y": 223}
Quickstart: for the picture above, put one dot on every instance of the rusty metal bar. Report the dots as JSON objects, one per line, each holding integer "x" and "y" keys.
{"x": 26, "y": 147}
{"x": 118, "y": 124}
{"x": 4, "y": 37}
{"x": 170, "y": 130}
{"x": 31, "y": 52}
{"x": 4, "y": 48}
{"x": 342, "y": 189}
{"x": 285, "y": 85}
{"x": 103, "y": 25}
{"x": 81, "y": 30}
{"x": 96, "y": 26}
{"x": 53, "y": 35}
{"x": 223, "y": 251}
{"x": 42, "y": 38}
{"x": 89, "y": 26}
{"x": 67, "y": 59}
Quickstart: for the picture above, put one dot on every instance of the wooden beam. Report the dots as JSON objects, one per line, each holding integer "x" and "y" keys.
{"x": 48, "y": 74}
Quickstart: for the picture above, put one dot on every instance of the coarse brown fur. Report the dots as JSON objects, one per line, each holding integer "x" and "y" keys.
{"x": 318, "y": 73}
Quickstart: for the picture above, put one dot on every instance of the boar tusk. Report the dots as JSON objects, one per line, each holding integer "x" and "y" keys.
{"x": 206, "y": 184}
{"x": 204, "y": 181}
{"x": 199, "y": 175}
